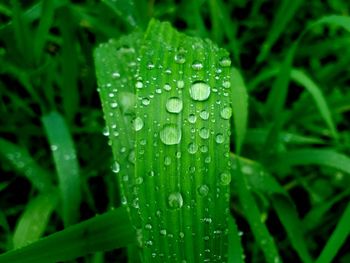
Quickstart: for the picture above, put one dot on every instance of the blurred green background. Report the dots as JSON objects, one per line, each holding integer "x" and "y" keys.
{"x": 299, "y": 134}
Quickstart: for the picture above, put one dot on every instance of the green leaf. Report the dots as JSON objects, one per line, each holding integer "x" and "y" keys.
{"x": 318, "y": 97}
{"x": 24, "y": 164}
{"x": 286, "y": 11}
{"x": 337, "y": 239}
{"x": 33, "y": 222}
{"x": 66, "y": 164}
{"x": 235, "y": 250}
{"x": 310, "y": 156}
{"x": 239, "y": 100}
{"x": 102, "y": 233}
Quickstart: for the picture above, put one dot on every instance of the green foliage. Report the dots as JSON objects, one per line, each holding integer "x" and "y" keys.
{"x": 289, "y": 191}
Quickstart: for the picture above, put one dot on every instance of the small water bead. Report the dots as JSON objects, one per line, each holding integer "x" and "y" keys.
{"x": 158, "y": 91}
{"x": 192, "y": 148}
{"x": 151, "y": 173}
{"x": 225, "y": 62}
{"x": 170, "y": 134}
{"x": 145, "y": 101}
{"x": 204, "y": 114}
{"x": 137, "y": 124}
{"x": 167, "y": 87}
{"x": 114, "y": 105}
{"x": 204, "y": 133}
{"x": 167, "y": 161}
{"x": 180, "y": 58}
{"x": 180, "y": 84}
{"x": 163, "y": 232}
{"x": 174, "y": 105}
{"x": 175, "y": 200}
{"x": 115, "y": 167}
{"x": 150, "y": 65}
{"x": 203, "y": 190}
{"x": 132, "y": 157}
{"x": 226, "y": 84}
{"x": 148, "y": 226}
{"x": 219, "y": 138}
{"x": 226, "y": 113}
{"x": 139, "y": 85}
{"x": 139, "y": 180}
{"x": 105, "y": 131}
{"x": 225, "y": 178}
{"x": 192, "y": 118}
{"x": 116, "y": 75}
{"x": 200, "y": 91}
{"x": 197, "y": 65}
{"x": 204, "y": 148}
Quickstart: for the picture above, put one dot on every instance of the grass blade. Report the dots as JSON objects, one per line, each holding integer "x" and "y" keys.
{"x": 66, "y": 165}
{"x": 239, "y": 100}
{"x": 235, "y": 250}
{"x": 318, "y": 97}
{"x": 32, "y": 223}
{"x": 286, "y": 11}
{"x": 311, "y": 156}
{"x": 24, "y": 164}
{"x": 101, "y": 233}
{"x": 337, "y": 239}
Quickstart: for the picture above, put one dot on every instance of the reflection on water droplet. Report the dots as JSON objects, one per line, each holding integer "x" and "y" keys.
{"x": 225, "y": 62}
{"x": 199, "y": 91}
{"x": 226, "y": 113}
{"x": 170, "y": 134}
{"x": 175, "y": 200}
{"x": 219, "y": 138}
{"x": 203, "y": 190}
{"x": 204, "y": 133}
{"x": 115, "y": 167}
{"x": 139, "y": 85}
{"x": 225, "y": 178}
{"x": 197, "y": 65}
{"x": 137, "y": 123}
{"x": 192, "y": 148}
{"x": 174, "y": 105}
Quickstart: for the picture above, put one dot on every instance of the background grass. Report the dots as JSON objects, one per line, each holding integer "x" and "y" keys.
{"x": 294, "y": 176}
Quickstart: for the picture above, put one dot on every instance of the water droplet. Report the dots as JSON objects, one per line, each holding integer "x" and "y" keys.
{"x": 197, "y": 65}
{"x": 115, "y": 75}
{"x": 225, "y": 62}
{"x": 145, "y": 101}
{"x": 204, "y": 133}
{"x": 167, "y": 161}
{"x": 174, "y": 105}
{"x": 151, "y": 173}
{"x": 226, "y": 113}
{"x": 175, "y": 200}
{"x": 226, "y": 84}
{"x": 167, "y": 87}
{"x": 180, "y": 84}
{"x": 131, "y": 157}
{"x": 162, "y": 232}
{"x": 170, "y": 134}
{"x": 219, "y": 138}
{"x": 137, "y": 123}
{"x": 139, "y": 85}
{"x": 204, "y": 148}
{"x": 225, "y": 178}
{"x": 158, "y": 91}
{"x": 192, "y": 148}
{"x": 139, "y": 180}
{"x": 150, "y": 65}
{"x": 180, "y": 59}
{"x": 203, "y": 190}
{"x": 200, "y": 91}
{"x": 192, "y": 118}
{"x": 114, "y": 105}
{"x": 148, "y": 226}
{"x": 105, "y": 131}
{"x": 204, "y": 114}
{"x": 115, "y": 167}
{"x": 53, "y": 147}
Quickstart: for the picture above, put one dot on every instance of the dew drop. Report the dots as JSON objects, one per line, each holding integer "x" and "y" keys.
{"x": 192, "y": 118}
{"x": 137, "y": 124}
{"x": 225, "y": 62}
{"x": 226, "y": 113}
{"x": 145, "y": 101}
{"x": 139, "y": 85}
{"x": 192, "y": 148}
{"x": 197, "y": 65}
{"x": 163, "y": 232}
{"x": 174, "y": 105}
{"x": 180, "y": 84}
{"x": 167, "y": 161}
{"x": 226, "y": 84}
{"x": 204, "y": 114}
{"x": 148, "y": 226}
{"x": 199, "y": 91}
{"x": 167, "y": 87}
{"x": 179, "y": 59}
{"x": 225, "y": 178}
{"x": 132, "y": 157}
{"x": 116, "y": 75}
{"x": 114, "y": 105}
{"x": 204, "y": 133}
{"x": 175, "y": 200}
{"x": 115, "y": 167}
{"x": 219, "y": 138}
{"x": 170, "y": 134}
{"x": 105, "y": 131}
{"x": 203, "y": 190}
